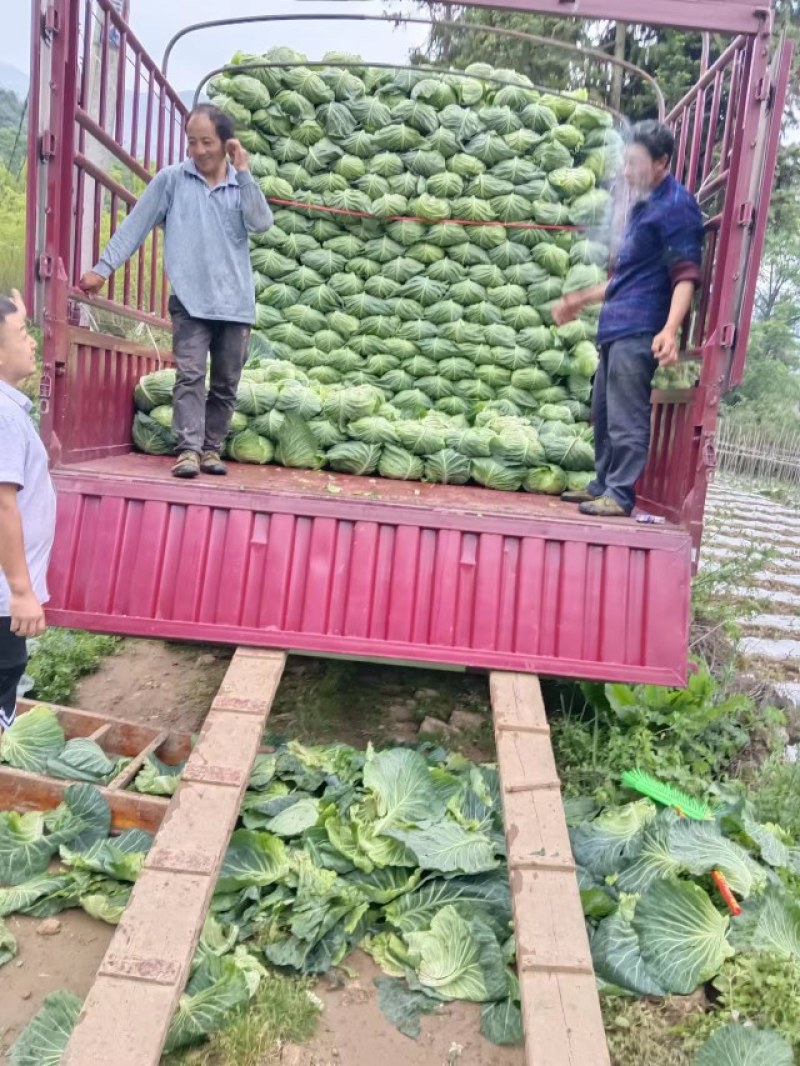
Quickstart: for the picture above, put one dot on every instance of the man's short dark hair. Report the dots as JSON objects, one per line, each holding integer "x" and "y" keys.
{"x": 223, "y": 123}
{"x": 656, "y": 138}
{"x": 7, "y": 307}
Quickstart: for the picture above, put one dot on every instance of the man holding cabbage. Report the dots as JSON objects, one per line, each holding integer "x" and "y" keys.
{"x": 207, "y": 206}
{"x": 645, "y": 303}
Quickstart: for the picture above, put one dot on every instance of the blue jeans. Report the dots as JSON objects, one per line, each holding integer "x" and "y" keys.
{"x": 621, "y": 416}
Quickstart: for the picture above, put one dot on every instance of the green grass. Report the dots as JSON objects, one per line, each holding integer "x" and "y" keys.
{"x": 12, "y": 231}
{"x": 61, "y": 657}
{"x": 282, "y": 1012}
{"x": 776, "y": 792}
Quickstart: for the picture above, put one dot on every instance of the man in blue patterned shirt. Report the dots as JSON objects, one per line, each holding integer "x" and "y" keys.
{"x": 645, "y": 302}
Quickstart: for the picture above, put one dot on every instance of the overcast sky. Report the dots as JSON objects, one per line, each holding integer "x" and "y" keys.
{"x": 155, "y": 21}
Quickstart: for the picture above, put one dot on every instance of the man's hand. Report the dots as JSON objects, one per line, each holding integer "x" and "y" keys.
{"x": 665, "y": 347}
{"x": 567, "y": 309}
{"x": 27, "y": 615}
{"x": 237, "y": 155}
{"x": 91, "y": 283}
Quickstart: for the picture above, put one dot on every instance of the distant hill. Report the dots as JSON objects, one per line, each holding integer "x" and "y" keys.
{"x": 15, "y": 82}
{"x": 14, "y": 79}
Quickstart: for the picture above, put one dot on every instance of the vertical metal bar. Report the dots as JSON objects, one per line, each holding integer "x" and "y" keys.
{"x": 140, "y": 265}
{"x": 80, "y": 191}
{"x": 159, "y": 164}
{"x": 104, "y": 70}
{"x": 119, "y": 131}
{"x": 171, "y": 155}
{"x": 731, "y": 111}
{"x": 713, "y": 119}
{"x": 137, "y": 74}
{"x": 98, "y": 222}
{"x": 88, "y": 18}
{"x": 697, "y": 136}
{"x": 683, "y": 132}
{"x": 62, "y": 92}
{"x": 761, "y": 190}
{"x": 148, "y": 132}
{"x": 161, "y": 127}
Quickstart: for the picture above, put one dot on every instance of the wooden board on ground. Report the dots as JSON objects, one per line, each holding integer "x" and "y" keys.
{"x": 560, "y": 1005}
{"x": 128, "y": 1010}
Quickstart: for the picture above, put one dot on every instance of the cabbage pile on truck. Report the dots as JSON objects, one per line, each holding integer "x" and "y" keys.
{"x": 425, "y": 223}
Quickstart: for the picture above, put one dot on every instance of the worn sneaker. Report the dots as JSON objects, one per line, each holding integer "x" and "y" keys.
{"x": 604, "y": 507}
{"x": 210, "y": 463}
{"x": 186, "y": 465}
{"x": 578, "y": 496}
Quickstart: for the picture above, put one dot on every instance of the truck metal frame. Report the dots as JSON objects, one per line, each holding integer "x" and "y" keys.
{"x": 353, "y": 566}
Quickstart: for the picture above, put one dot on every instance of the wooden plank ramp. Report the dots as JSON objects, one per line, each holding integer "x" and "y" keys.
{"x": 126, "y": 1015}
{"x": 560, "y": 1004}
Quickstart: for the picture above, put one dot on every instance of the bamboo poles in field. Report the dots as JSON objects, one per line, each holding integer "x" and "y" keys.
{"x": 748, "y": 451}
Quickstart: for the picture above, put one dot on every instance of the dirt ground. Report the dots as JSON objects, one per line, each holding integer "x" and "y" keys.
{"x": 44, "y": 964}
{"x": 352, "y": 1031}
{"x": 172, "y": 686}
{"x": 154, "y": 683}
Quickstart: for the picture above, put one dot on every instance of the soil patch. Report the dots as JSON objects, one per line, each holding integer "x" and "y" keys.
{"x": 352, "y": 1031}
{"x": 45, "y": 964}
{"x": 155, "y": 683}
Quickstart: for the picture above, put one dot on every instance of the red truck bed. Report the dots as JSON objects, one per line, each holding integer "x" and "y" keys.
{"x": 356, "y": 566}
{"x": 364, "y": 566}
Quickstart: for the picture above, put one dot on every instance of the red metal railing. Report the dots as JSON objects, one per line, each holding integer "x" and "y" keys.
{"x": 117, "y": 121}
{"x": 727, "y": 131}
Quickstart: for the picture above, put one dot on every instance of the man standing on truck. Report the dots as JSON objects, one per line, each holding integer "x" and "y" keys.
{"x": 27, "y": 507}
{"x": 207, "y": 206}
{"x": 645, "y": 303}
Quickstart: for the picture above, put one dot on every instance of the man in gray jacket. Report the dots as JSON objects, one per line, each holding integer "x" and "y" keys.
{"x": 207, "y": 206}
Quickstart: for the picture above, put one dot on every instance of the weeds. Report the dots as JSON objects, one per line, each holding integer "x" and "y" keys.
{"x": 760, "y": 989}
{"x": 61, "y": 657}
{"x": 685, "y": 737}
{"x": 642, "y": 1033}
{"x": 283, "y": 1011}
{"x": 776, "y": 795}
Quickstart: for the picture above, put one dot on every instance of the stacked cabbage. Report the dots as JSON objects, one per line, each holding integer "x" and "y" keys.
{"x": 389, "y": 338}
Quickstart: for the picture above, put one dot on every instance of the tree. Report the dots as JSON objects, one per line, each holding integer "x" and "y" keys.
{"x": 13, "y": 130}
{"x": 458, "y": 46}
{"x": 672, "y": 57}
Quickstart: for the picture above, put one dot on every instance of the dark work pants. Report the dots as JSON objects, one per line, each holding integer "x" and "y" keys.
{"x": 13, "y": 660}
{"x": 201, "y": 424}
{"x": 621, "y": 416}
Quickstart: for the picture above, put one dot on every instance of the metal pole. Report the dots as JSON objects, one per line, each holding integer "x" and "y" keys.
{"x": 95, "y": 152}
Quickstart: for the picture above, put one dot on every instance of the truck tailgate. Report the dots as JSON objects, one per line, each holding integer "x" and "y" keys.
{"x": 332, "y": 564}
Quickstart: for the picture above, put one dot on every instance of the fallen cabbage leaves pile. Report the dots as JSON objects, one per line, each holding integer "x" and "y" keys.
{"x": 390, "y": 338}
{"x": 402, "y": 853}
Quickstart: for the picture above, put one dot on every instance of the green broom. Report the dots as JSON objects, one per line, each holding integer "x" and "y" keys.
{"x": 687, "y": 807}
{"x": 666, "y": 795}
